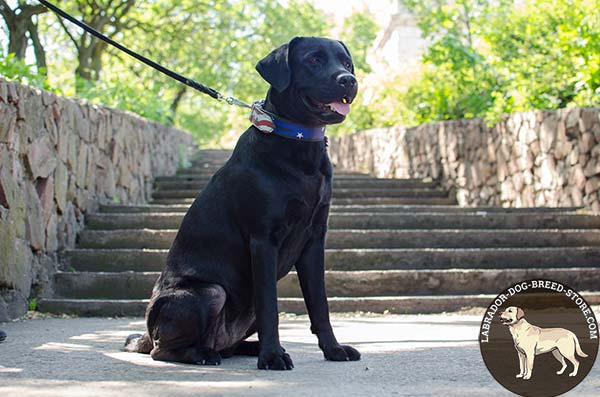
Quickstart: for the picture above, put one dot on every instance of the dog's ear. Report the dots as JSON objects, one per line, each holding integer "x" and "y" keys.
{"x": 520, "y": 313}
{"x": 275, "y": 67}
{"x": 348, "y": 52}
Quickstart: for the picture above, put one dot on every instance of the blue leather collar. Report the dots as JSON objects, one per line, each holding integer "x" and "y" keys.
{"x": 267, "y": 123}
{"x": 297, "y": 131}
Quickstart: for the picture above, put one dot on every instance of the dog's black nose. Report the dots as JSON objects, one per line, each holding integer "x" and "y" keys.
{"x": 346, "y": 80}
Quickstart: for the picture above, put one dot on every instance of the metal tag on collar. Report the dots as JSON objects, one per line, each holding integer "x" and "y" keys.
{"x": 261, "y": 119}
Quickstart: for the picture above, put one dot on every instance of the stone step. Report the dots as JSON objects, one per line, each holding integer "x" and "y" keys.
{"x": 348, "y": 201}
{"x": 144, "y": 260}
{"x": 382, "y": 208}
{"x": 375, "y": 304}
{"x": 208, "y": 170}
{"x": 205, "y": 170}
{"x": 211, "y": 153}
{"x": 141, "y": 209}
{"x": 202, "y": 161}
{"x": 138, "y": 285}
{"x": 353, "y": 183}
{"x": 374, "y": 238}
{"x": 337, "y": 193}
{"x": 205, "y": 157}
{"x": 376, "y": 220}
{"x": 195, "y": 177}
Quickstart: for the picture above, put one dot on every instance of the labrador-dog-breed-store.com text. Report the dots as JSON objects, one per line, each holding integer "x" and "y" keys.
{"x": 262, "y": 214}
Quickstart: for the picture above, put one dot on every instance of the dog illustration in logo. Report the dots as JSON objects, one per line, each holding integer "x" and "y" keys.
{"x": 531, "y": 340}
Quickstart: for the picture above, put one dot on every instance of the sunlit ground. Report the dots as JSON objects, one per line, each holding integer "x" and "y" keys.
{"x": 402, "y": 355}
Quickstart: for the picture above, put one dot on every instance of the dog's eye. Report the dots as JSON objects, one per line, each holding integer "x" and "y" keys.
{"x": 347, "y": 64}
{"x": 314, "y": 60}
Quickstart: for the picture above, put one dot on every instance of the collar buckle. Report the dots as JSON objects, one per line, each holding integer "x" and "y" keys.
{"x": 262, "y": 120}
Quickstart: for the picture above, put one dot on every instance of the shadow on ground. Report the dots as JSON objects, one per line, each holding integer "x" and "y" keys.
{"x": 402, "y": 355}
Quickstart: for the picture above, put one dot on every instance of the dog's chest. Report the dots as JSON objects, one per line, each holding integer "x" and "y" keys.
{"x": 304, "y": 216}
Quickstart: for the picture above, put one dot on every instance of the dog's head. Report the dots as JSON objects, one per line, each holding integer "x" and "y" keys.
{"x": 511, "y": 315}
{"x": 312, "y": 80}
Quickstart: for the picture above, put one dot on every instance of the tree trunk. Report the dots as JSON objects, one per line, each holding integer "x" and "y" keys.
{"x": 17, "y": 41}
{"x": 84, "y": 57}
{"x": 177, "y": 100}
{"x": 90, "y": 49}
{"x": 18, "y": 22}
{"x": 40, "y": 52}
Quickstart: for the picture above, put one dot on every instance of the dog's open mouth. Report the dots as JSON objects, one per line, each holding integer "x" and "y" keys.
{"x": 341, "y": 107}
{"x": 505, "y": 321}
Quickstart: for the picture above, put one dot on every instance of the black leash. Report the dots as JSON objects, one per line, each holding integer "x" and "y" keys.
{"x": 192, "y": 83}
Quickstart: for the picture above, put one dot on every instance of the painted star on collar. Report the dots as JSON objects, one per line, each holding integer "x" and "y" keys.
{"x": 299, "y": 135}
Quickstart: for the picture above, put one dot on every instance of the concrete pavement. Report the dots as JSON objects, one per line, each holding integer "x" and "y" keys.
{"x": 408, "y": 355}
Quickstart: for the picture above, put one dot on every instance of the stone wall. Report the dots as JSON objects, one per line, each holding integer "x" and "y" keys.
{"x": 61, "y": 158}
{"x": 532, "y": 159}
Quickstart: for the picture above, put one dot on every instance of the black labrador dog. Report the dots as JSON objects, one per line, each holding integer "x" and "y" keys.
{"x": 264, "y": 212}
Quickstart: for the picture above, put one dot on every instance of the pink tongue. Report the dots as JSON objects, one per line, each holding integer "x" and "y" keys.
{"x": 341, "y": 108}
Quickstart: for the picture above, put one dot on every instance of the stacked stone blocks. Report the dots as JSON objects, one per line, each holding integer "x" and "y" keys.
{"x": 531, "y": 159}
{"x": 61, "y": 158}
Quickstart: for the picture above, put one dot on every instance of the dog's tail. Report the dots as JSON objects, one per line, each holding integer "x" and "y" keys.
{"x": 578, "y": 348}
{"x": 138, "y": 343}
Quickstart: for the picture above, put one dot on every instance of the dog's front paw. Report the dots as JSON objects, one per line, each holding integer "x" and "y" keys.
{"x": 276, "y": 359}
{"x": 341, "y": 353}
{"x": 527, "y": 376}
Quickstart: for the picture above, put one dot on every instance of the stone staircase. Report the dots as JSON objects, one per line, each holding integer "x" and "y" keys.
{"x": 396, "y": 245}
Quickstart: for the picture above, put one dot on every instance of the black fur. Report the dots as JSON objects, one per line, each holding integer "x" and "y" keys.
{"x": 260, "y": 215}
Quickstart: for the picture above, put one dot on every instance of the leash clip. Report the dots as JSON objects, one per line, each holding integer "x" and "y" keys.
{"x": 232, "y": 101}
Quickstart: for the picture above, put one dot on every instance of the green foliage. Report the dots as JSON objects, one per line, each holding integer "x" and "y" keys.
{"x": 33, "y": 304}
{"x": 484, "y": 58}
{"x": 359, "y": 33}
{"x": 376, "y": 106}
{"x": 216, "y": 43}
{"x": 489, "y": 57}
{"x": 18, "y": 70}
{"x": 135, "y": 97}
{"x": 550, "y": 56}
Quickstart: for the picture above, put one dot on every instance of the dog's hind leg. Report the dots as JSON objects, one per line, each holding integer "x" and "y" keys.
{"x": 561, "y": 360}
{"x": 566, "y": 347}
{"x": 575, "y": 363}
{"x": 138, "y": 343}
{"x": 182, "y": 324}
{"x": 191, "y": 355}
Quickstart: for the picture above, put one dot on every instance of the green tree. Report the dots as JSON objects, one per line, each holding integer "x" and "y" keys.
{"x": 109, "y": 17}
{"x": 456, "y": 81}
{"x": 549, "y": 55}
{"x": 488, "y": 57}
{"x": 358, "y": 34}
{"x": 22, "y": 26}
{"x": 214, "y": 42}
